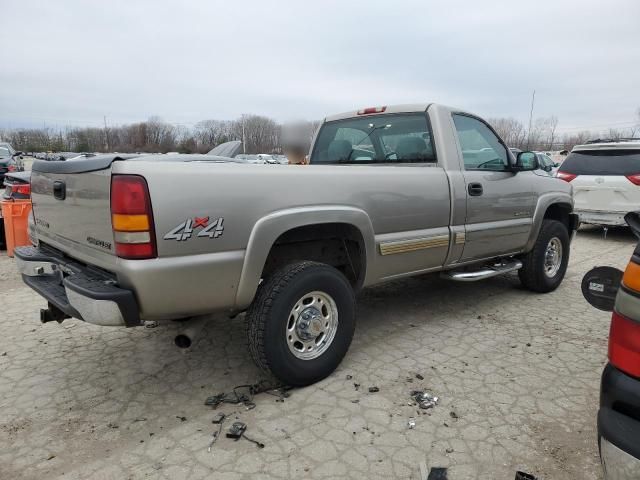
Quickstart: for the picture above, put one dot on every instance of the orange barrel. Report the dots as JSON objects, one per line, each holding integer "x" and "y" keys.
{"x": 16, "y": 218}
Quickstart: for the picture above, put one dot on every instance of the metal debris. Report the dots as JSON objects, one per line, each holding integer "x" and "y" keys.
{"x": 244, "y": 394}
{"x": 218, "y": 420}
{"x": 411, "y": 423}
{"x": 181, "y": 418}
{"x": 419, "y": 377}
{"x": 373, "y": 389}
{"x": 237, "y": 431}
{"x": 424, "y": 399}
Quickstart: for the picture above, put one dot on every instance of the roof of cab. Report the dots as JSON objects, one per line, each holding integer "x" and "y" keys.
{"x": 388, "y": 109}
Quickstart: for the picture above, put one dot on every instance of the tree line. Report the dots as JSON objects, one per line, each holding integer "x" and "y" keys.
{"x": 260, "y": 134}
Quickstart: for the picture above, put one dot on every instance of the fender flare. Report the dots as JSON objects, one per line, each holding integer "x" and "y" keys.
{"x": 544, "y": 202}
{"x": 267, "y": 230}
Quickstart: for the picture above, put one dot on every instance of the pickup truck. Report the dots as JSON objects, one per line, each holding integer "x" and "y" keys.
{"x": 390, "y": 192}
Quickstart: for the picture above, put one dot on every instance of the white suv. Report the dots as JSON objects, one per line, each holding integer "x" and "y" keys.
{"x": 606, "y": 180}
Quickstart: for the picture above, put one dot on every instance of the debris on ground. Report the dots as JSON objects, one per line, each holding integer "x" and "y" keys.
{"x": 150, "y": 324}
{"x": 218, "y": 420}
{"x": 51, "y": 457}
{"x": 411, "y": 423}
{"x": 373, "y": 389}
{"x": 237, "y": 431}
{"x": 112, "y": 425}
{"x": 356, "y": 386}
{"x": 449, "y": 450}
{"x": 419, "y": 377}
{"x": 424, "y": 399}
{"x": 181, "y": 418}
{"x": 453, "y": 414}
{"x": 244, "y": 394}
{"x": 349, "y": 377}
{"x": 525, "y": 476}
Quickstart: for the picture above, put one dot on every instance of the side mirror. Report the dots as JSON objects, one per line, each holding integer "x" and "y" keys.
{"x": 526, "y": 161}
{"x": 600, "y": 287}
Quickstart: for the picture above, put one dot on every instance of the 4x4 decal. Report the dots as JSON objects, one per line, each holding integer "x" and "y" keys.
{"x": 186, "y": 229}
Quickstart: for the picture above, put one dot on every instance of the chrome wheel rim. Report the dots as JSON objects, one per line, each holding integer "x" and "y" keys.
{"x": 311, "y": 325}
{"x": 553, "y": 257}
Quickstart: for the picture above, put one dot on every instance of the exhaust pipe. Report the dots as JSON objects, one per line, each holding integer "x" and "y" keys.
{"x": 190, "y": 331}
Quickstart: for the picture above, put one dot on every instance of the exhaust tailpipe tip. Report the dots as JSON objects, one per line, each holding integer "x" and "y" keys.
{"x": 183, "y": 341}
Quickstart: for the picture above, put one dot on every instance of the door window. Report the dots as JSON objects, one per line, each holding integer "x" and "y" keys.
{"x": 481, "y": 148}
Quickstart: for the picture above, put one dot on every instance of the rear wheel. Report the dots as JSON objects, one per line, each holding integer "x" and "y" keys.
{"x": 544, "y": 267}
{"x": 301, "y": 323}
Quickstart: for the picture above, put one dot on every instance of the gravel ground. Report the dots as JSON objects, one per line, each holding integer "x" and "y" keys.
{"x": 517, "y": 375}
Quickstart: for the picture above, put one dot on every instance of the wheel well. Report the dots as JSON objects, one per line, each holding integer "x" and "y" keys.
{"x": 560, "y": 212}
{"x": 340, "y": 245}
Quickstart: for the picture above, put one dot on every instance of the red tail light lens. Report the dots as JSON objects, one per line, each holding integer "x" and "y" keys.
{"x": 11, "y": 168}
{"x": 635, "y": 179}
{"x": 21, "y": 189}
{"x": 624, "y": 344}
{"x": 567, "y": 177}
{"x": 132, "y": 218}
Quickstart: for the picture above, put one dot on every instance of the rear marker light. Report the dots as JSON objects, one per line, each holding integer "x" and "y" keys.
{"x": 624, "y": 344}
{"x": 370, "y": 110}
{"x": 567, "y": 177}
{"x": 132, "y": 218}
{"x": 635, "y": 179}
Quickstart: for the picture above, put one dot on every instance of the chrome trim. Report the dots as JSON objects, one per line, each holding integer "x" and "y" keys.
{"x": 618, "y": 464}
{"x": 404, "y": 246}
{"x": 35, "y": 269}
{"x": 98, "y": 312}
{"x": 487, "y": 272}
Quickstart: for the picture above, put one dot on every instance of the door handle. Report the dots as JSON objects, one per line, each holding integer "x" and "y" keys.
{"x": 475, "y": 189}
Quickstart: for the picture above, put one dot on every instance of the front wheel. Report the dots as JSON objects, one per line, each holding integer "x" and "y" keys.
{"x": 544, "y": 267}
{"x": 301, "y": 323}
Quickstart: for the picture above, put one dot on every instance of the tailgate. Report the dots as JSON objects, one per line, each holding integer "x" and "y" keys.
{"x": 609, "y": 193}
{"x": 71, "y": 207}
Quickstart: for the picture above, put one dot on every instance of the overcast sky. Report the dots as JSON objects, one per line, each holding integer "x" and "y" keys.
{"x": 69, "y": 62}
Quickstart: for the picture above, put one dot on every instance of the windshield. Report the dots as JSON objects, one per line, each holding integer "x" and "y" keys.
{"x": 4, "y": 152}
{"x": 602, "y": 162}
{"x": 400, "y": 138}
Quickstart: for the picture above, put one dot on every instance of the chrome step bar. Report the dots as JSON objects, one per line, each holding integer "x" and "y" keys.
{"x": 486, "y": 272}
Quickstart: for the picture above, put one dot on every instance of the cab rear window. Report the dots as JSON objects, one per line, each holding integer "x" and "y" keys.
{"x": 602, "y": 162}
{"x": 400, "y": 138}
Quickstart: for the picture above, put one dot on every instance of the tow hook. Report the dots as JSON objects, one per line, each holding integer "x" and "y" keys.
{"x": 52, "y": 314}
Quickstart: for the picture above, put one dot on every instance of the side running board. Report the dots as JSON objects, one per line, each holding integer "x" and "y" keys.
{"x": 487, "y": 271}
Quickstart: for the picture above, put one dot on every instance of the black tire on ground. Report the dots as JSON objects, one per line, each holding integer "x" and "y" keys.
{"x": 532, "y": 274}
{"x": 269, "y": 317}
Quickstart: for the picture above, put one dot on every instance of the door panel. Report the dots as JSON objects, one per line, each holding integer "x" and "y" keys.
{"x": 499, "y": 202}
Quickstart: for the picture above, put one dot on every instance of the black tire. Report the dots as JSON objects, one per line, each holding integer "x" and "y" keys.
{"x": 532, "y": 274}
{"x": 269, "y": 314}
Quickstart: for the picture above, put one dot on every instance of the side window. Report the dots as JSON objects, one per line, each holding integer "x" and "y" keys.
{"x": 481, "y": 149}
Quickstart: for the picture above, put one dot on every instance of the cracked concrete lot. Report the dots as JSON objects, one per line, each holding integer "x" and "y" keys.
{"x": 517, "y": 375}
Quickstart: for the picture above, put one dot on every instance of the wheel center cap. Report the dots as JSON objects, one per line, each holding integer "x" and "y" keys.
{"x": 309, "y": 324}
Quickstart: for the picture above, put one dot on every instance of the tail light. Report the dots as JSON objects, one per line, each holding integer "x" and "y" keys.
{"x": 624, "y": 344}
{"x": 132, "y": 218}
{"x": 11, "y": 168}
{"x": 624, "y": 335}
{"x": 635, "y": 179}
{"x": 567, "y": 177}
{"x": 370, "y": 110}
{"x": 21, "y": 189}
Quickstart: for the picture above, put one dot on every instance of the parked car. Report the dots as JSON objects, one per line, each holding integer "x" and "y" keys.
{"x": 608, "y": 289}
{"x": 10, "y": 161}
{"x": 605, "y": 179}
{"x": 390, "y": 192}
{"x": 17, "y": 185}
{"x": 547, "y": 164}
